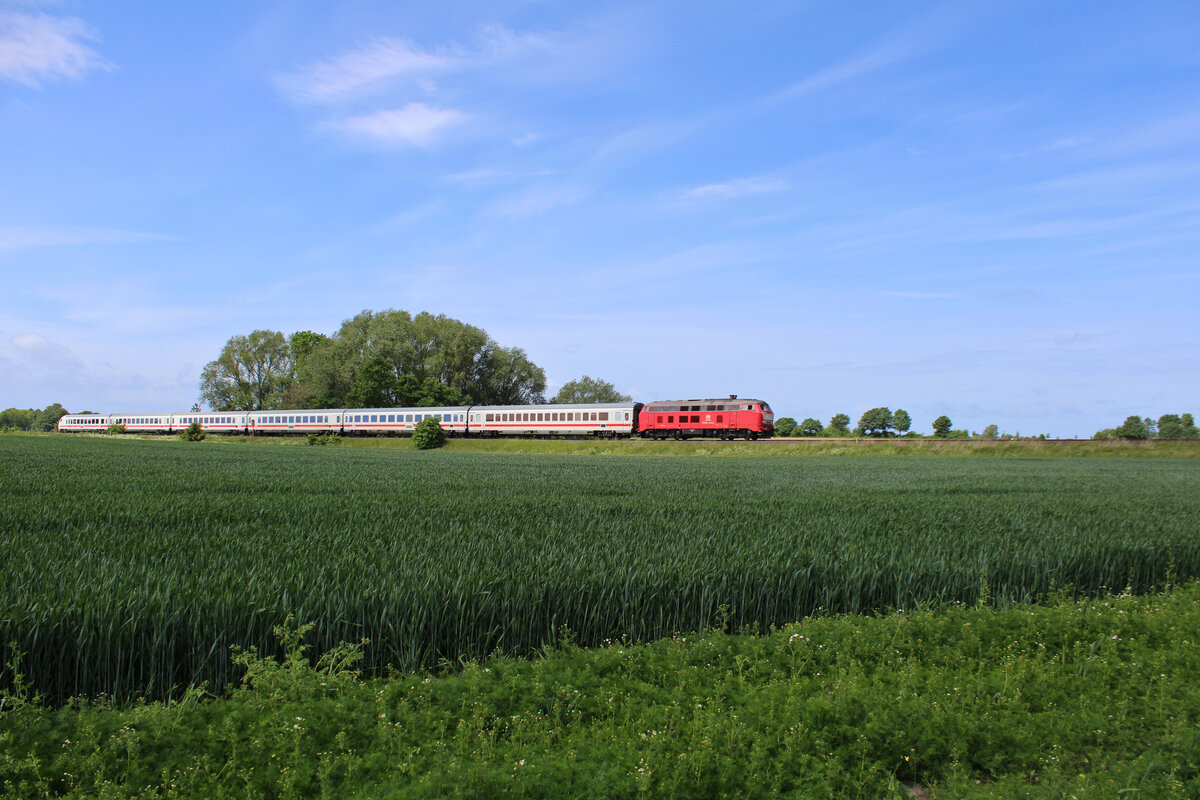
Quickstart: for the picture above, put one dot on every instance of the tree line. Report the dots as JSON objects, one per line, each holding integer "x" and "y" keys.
{"x": 881, "y": 423}
{"x": 1168, "y": 426}
{"x": 386, "y": 359}
{"x": 32, "y": 419}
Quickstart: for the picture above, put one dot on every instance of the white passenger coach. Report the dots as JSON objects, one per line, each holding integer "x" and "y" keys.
{"x": 552, "y": 419}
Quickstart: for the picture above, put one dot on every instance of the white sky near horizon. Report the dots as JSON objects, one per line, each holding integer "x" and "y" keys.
{"x": 983, "y": 210}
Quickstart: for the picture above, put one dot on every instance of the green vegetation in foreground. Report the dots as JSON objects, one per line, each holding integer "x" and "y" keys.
{"x": 131, "y": 567}
{"x": 1090, "y": 699}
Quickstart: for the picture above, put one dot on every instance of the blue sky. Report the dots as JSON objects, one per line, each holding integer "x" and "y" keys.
{"x": 985, "y": 210}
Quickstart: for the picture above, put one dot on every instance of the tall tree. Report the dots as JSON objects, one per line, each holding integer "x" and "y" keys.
{"x": 47, "y": 419}
{"x": 875, "y": 422}
{"x": 251, "y": 373}
{"x": 942, "y": 426}
{"x": 1134, "y": 427}
{"x": 839, "y": 425}
{"x": 589, "y": 390}
{"x": 809, "y": 427}
{"x": 901, "y": 420}
{"x": 785, "y": 426}
{"x": 376, "y": 355}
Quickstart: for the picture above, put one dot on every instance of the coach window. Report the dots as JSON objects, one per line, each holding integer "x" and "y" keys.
{"x": 604, "y": 416}
{"x": 670, "y": 419}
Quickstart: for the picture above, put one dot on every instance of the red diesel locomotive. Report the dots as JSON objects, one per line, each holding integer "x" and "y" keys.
{"x": 726, "y": 418}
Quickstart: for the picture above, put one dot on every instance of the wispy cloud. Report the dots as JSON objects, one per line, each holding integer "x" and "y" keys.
{"x": 13, "y": 237}
{"x": 735, "y": 188}
{"x": 494, "y": 175}
{"x": 382, "y": 62}
{"x": 846, "y": 70}
{"x": 35, "y": 347}
{"x": 38, "y": 47}
{"x": 537, "y": 200}
{"x": 923, "y": 295}
{"x": 416, "y": 124}
{"x": 363, "y": 69}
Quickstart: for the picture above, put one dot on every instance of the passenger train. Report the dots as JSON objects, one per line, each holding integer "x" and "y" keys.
{"x": 725, "y": 418}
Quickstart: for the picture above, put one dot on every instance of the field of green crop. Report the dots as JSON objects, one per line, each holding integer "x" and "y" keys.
{"x": 132, "y": 566}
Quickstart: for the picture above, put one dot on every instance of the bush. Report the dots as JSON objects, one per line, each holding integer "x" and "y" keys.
{"x": 785, "y": 426}
{"x": 428, "y": 434}
{"x": 323, "y": 439}
{"x": 115, "y": 429}
{"x": 194, "y": 433}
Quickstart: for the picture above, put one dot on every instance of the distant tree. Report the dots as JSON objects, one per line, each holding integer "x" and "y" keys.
{"x": 1134, "y": 427}
{"x": 942, "y": 426}
{"x": 839, "y": 425}
{"x": 1190, "y": 431}
{"x": 901, "y": 421}
{"x": 20, "y": 419}
{"x": 875, "y": 422}
{"x": 428, "y": 434}
{"x": 1106, "y": 433}
{"x": 991, "y": 432}
{"x": 590, "y": 390}
{"x": 785, "y": 426}
{"x": 809, "y": 427}
{"x": 47, "y": 419}
{"x": 1170, "y": 426}
{"x": 251, "y": 373}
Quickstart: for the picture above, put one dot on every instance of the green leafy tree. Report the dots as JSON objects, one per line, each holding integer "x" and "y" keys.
{"x": 785, "y": 426}
{"x": 991, "y": 432}
{"x": 875, "y": 422}
{"x": 1177, "y": 426}
{"x": 20, "y": 419}
{"x": 47, "y": 419}
{"x": 901, "y": 421}
{"x": 590, "y": 390}
{"x": 302, "y": 343}
{"x": 839, "y": 425}
{"x": 810, "y": 427}
{"x": 414, "y": 350}
{"x": 1134, "y": 427}
{"x": 428, "y": 434}
{"x": 251, "y": 373}
{"x": 942, "y": 426}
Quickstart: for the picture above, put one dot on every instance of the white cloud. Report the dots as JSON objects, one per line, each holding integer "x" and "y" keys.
{"x": 735, "y": 188}
{"x": 39, "y": 47}
{"x": 37, "y": 348}
{"x": 382, "y": 61}
{"x": 13, "y": 237}
{"x": 414, "y": 124}
{"x": 362, "y": 70}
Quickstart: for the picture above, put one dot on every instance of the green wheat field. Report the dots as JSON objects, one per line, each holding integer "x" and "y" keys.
{"x": 131, "y": 567}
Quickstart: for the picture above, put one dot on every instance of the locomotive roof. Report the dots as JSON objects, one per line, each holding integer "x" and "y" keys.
{"x": 707, "y": 401}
